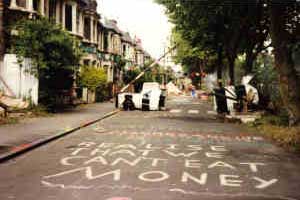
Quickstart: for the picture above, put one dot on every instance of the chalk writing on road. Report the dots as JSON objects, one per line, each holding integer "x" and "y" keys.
{"x": 185, "y": 165}
{"x": 211, "y": 137}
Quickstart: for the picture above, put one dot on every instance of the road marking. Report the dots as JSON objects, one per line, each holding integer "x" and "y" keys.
{"x": 119, "y": 198}
{"x": 193, "y": 111}
{"x": 189, "y": 111}
{"x": 196, "y": 103}
{"x": 175, "y": 111}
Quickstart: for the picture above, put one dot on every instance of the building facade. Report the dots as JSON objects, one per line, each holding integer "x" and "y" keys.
{"x": 103, "y": 43}
{"x": 128, "y": 51}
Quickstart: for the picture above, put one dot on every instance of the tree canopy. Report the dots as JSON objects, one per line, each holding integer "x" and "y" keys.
{"x": 227, "y": 29}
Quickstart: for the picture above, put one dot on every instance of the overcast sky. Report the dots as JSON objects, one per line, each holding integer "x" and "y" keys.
{"x": 142, "y": 18}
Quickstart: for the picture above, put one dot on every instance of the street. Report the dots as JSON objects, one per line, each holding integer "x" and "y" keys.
{"x": 181, "y": 153}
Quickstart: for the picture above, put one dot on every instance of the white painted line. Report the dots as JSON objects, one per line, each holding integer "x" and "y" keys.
{"x": 175, "y": 111}
{"x": 196, "y": 103}
{"x": 193, "y": 111}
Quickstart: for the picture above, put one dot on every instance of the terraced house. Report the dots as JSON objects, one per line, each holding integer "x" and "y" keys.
{"x": 103, "y": 43}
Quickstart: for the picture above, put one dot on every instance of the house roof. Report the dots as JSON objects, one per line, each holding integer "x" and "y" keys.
{"x": 86, "y": 1}
{"x": 90, "y": 5}
{"x": 147, "y": 54}
{"x": 112, "y": 25}
{"x": 139, "y": 47}
{"x": 126, "y": 37}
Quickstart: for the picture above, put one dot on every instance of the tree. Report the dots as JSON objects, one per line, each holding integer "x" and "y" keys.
{"x": 220, "y": 27}
{"x": 285, "y": 29}
{"x": 257, "y": 29}
{"x": 193, "y": 60}
{"x": 243, "y": 28}
{"x": 54, "y": 53}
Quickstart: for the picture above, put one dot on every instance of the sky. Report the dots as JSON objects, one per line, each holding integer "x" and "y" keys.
{"x": 142, "y": 18}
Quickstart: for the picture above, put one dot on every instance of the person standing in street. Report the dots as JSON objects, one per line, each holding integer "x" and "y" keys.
{"x": 193, "y": 91}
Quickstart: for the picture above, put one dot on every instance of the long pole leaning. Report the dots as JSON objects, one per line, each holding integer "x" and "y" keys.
{"x": 147, "y": 68}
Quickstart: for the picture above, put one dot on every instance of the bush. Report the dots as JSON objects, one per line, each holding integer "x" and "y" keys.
{"x": 92, "y": 77}
{"x": 282, "y": 119}
{"x": 95, "y": 79}
{"x": 103, "y": 93}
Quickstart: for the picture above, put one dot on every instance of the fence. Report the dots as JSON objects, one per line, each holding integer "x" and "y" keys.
{"x": 16, "y": 81}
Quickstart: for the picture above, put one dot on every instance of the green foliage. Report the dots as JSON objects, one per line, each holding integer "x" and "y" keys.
{"x": 193, "y": 59}
{"x": 103, "y": 93}
{"x": 129, "y": 75}
{"x": 276, "y": 120}
{"x": 121, "y": 62}
{"x": 92, "y": 77}
{"x": 266, "y": 81}
{"x": 47, "y": 44}
{"x": 220, "y": 29}
{"x": 55, "y": 55}
{"x": 184, "y": 50}
{"x": 231, "y": 28}
{"x": 239, "y": 68}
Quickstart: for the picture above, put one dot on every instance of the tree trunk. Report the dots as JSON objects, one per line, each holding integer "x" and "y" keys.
{"x": 250, "y": 57}
{"x": 288, "y": 79}
{"x": 219, "y": 64}
{"x": 2, "y": 43}
{"x": 198, "y": 71}
{"x": 231, "y": 69}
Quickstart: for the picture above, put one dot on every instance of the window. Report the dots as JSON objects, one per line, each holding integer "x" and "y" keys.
{"x": 46, "y": 7}
{"x": 105, "y": 42}
{"x": 36, "y": 5}
{"x": 87, "y": 28}
{"x": 68, "y": 17}
{"x": 95, "y": 30}
{"x": 78, "y": 20}
{"x": 21, "y": 3}
{"x": 98, "y": 37}
{"x": 124, "y": 50}
{"x": 52, "y": 9}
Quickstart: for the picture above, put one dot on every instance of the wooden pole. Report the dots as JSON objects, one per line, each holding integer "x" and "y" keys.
{"x": 147, "y": 68}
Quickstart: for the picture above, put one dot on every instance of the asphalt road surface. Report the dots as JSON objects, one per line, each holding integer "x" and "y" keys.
{"x": 179, "y": 154}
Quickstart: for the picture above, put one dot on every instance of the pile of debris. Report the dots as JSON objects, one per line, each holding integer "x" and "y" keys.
{"x": 10, "y": 104}
{"x": 173, "y": 89}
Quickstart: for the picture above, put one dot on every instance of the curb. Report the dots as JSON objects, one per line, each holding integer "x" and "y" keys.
{"x": 21, "y": 149}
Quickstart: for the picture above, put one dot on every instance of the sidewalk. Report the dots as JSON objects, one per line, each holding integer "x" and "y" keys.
{"x": 30, "y": 130}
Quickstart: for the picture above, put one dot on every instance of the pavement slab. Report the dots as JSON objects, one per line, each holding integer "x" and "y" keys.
{"x": 155, "y": 155}
{"x": 30, "y": 130}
